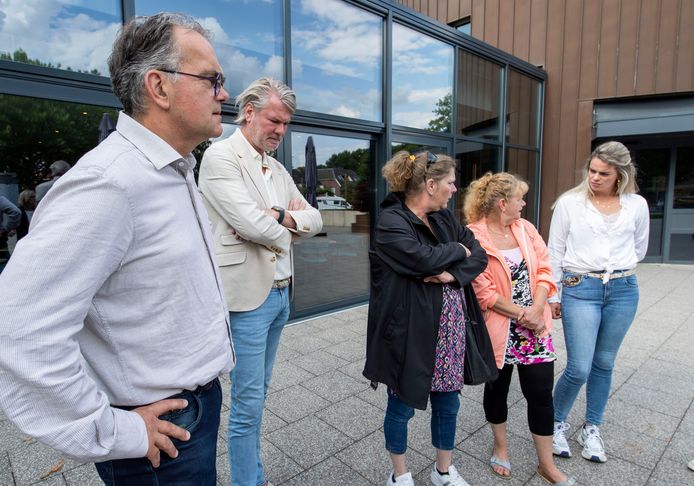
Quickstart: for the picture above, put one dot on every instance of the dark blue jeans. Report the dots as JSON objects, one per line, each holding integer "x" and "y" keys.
{"x": 444, "y": 412}
{"x": 196, "y": 461}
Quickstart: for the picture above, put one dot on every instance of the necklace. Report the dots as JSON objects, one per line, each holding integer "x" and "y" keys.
{"x": 606, "y": 205}
{"x": 499, "y": 233}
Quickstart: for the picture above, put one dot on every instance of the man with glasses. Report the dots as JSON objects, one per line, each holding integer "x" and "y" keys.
{"x": 256, "y": 212}
{"x": 114, "y": 326}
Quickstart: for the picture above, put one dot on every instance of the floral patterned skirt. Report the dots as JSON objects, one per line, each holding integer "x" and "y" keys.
{"x": 450, "y": 347}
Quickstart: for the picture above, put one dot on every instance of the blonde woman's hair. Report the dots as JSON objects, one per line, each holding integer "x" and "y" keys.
{"x": 483, "y": 194}
{"x": 616, "y": 155}
{"x": 24, "y": 198}
{"x": 407, "y": 173}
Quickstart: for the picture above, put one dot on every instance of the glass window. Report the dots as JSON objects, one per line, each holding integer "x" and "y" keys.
{"x": 76, "y": 36}
{"x": 422, "y": 80}
{"x": 333, "y": 267}
{"x": 522, "y": 109}
{"x": 414, "y": 148}
{"x": 473, "y": 160}
{"x": 35, "y": 133}
{"x": 651, "y": 176}
{"x": 464, "y": 26}
{"x": 337, "y": 57}
{"x": 247, "y": 35}
{"x": 479, "y": 94}
{"x": 684, "y": 179}
{"x": 524, "y": 164}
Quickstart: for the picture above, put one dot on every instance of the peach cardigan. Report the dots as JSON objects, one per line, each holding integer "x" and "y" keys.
{"x": 495, "y": 281}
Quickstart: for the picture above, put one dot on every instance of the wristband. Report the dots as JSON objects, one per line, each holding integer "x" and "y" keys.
{"x": 281, "y": 211}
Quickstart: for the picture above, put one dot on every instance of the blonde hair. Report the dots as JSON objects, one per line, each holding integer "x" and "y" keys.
{"x": 25, "y": 198}
{"x": 616, "y": 155}
{"x": 407, "y": 173}
{"x": 482, "y": 194}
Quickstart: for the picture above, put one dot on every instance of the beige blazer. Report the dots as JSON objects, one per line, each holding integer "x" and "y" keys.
{"x": 235, "y": 195}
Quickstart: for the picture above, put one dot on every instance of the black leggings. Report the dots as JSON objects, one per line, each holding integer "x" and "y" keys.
{"x": 536, "y": 381}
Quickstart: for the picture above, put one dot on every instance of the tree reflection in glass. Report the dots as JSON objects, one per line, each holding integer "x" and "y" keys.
{"x": 34, "y": 133}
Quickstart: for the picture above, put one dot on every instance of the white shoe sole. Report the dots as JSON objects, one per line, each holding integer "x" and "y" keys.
{"x": 587, "y": 455}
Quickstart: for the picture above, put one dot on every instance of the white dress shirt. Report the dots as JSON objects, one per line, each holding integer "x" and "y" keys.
{"x": 582, "y": 239}
{"x": 112, "y": 298}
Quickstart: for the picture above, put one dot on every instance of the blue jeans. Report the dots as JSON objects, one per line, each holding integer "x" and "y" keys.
{"x": 196, "y": 461}
{"x": 256, "y": 336}
{"x": 596, "y": 318}
{"x": 444, "y": 412}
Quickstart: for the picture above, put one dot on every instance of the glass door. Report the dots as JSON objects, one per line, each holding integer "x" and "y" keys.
{"x": 652, "y": 179}
{"x": 681, "y": 247}
{"x": 666, "y": 180}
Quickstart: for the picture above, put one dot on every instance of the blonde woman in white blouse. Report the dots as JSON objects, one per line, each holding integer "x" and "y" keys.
{"x": 599, "y": 232}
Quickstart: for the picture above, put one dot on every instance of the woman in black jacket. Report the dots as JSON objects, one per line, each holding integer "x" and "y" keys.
{"x": 422, "y": 262}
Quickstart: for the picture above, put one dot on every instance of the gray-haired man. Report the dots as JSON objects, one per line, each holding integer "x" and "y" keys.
{"x": 114, "y": 326}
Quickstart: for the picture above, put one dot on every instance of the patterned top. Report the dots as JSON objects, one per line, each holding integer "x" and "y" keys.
{"x": 523, "y": 346}
{"x": 450, "y": 347}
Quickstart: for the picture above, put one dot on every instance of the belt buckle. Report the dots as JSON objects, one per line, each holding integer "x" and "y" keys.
{"x": 281, "y": 284}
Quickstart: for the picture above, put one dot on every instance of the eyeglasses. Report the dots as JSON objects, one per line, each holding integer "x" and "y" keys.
{"x": 431, "y": 159}
{"x": 217, "y": 80}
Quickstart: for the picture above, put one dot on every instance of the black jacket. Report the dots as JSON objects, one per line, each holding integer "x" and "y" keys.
{"x": 404, "y": 311}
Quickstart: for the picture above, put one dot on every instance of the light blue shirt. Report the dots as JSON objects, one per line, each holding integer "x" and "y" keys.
{"x": 112, "y": 298}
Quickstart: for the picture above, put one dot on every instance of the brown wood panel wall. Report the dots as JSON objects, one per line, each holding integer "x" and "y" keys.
{"x": 591, "y": 49}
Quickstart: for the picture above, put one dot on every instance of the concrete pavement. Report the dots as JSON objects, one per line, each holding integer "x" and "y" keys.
{"x": 323, "y": 424}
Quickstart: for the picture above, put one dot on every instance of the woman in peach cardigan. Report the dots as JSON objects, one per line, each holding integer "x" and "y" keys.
{"x": 512, "y": 292}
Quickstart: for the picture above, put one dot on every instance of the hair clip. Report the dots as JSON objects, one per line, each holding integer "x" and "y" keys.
{"x": 412, "y": 157}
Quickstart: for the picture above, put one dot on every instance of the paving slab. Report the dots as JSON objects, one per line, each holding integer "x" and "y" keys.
{"x": 353, "y": 417}
{"x": 294, "y": 403}
{"x": 319, "y": 362}
{"x": 309, "y": 441}
{"x": 334, "y": 386}
{"x": 330, "y": 471}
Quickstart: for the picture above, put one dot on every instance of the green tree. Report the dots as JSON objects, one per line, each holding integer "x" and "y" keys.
{"x": 442, "y": 121}
{"x": 20, "y": 55}
{"x": 356, "y": 160}
{"x": 34, "y": 133}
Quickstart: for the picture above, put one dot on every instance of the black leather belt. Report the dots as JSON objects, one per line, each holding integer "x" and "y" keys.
{"x": 206, "y": 386}
{"x": 197, "y": 391}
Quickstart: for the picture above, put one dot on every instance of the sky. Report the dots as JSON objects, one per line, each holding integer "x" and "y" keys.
{"x": 337, "y": 49}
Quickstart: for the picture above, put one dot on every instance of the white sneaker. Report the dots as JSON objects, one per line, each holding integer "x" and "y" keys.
{"x": 450, "y": 479}
{"x": 560, "y": 446}
{"x": 402, "y": 480}
{"x": 593, "y": 447}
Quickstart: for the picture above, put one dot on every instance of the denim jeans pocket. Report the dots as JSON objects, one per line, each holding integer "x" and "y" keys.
{"x": 187, "y": 418}
{"x": 630, "y": 281}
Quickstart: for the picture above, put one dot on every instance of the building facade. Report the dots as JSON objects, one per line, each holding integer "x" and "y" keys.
{"x": 616, "y": 70}
{"x": 371, "y": 77}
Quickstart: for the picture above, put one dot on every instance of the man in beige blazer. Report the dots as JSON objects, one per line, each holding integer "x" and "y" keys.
{"x": 256, "y": 212}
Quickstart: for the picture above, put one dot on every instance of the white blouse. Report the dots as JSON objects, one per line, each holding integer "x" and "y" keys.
{"x": 582, "y": 240}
